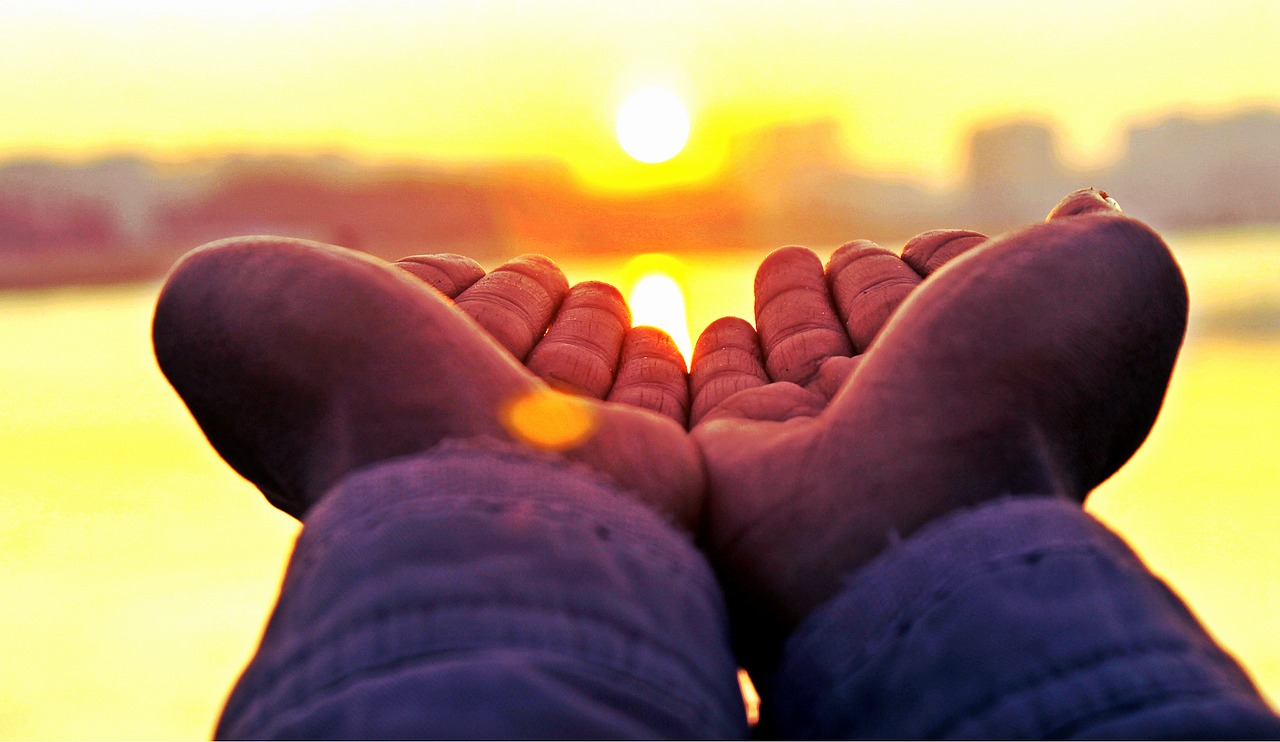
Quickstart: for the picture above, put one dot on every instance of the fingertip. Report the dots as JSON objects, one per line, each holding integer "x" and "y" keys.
{"x": 795, "y": 319}
{"x": 725, "y": 332}
{"x": 727, "y": 359}
{"x": 516, "y": 301}
{"x": 834, "y": 373}
{"x": 541, "y": 269}
{"x": 1084, "y": 201}
{"x": 580, "y": 350}
{"x": 447, "y": 273}
{"x": 604, "y": 296}
{"x": 645, "y": 341}
{"x": 783, "y": 260}
{"x": 849, "y": 252}
{"x": 928, "y": 252}
{"x": 867, "y": 284}
{"x": 652, "y": 375}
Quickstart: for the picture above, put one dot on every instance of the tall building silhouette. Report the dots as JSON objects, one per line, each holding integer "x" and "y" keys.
{"x": 1013, "y": 174}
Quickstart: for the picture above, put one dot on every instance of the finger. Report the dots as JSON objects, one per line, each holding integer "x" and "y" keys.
{"x": 651, "y": 374}
{"x": 867, "y": 284}
{"x": 797, "y": 324}
{"x": 580, "y": 350}
{"x": 928, "y": 252}
{"x": 726, "y": 360}
{"x": 833, "y": 373}
{"x": 774, "y": 403}
{"x": 1084, "y": 201}
{"x": 447, "y": 273}
{"x": 516, "y": 301}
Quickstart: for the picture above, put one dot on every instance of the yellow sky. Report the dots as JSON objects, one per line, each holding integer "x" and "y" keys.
{"x": 458, "y": 80}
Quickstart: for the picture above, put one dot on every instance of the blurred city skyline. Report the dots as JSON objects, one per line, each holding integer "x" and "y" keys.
{"x": 126, "y": 217}
{"x": 136, "y": 129}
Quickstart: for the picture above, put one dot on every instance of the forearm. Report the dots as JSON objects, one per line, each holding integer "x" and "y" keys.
{"x": 477, "y": 592}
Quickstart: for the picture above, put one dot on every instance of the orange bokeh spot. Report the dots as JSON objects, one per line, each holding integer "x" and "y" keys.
{"x": 750, "y": 698}
{"x": 549, "y": 420}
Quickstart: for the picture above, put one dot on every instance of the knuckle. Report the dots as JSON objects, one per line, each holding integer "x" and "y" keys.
{"x": 795, "y": 305}
{"x": 724, "y": 333}
{"x": 727, "y": 361}
{"x": 873, "y": 269}
{"x": 572, "y": 351}
{"x": 605, "y": 293}
{"x": 819, "y": 330}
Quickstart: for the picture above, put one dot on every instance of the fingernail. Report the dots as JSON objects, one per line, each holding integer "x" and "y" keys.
{"x": 1085, "y": 201}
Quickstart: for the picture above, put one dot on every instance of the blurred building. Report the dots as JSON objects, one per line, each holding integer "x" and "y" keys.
{"x": 1013, "y": 175}
{"x": 800, "y": 185}
{"x": 1185, "y": 172}
{"x": 124, "y": 218}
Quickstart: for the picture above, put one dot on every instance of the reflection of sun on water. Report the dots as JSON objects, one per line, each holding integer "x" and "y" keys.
{"x": 657, "y": 299}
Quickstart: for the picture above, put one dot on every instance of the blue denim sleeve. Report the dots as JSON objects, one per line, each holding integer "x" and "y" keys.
{"x": 1021, "y": 619}
{"x": 480, "y": 592}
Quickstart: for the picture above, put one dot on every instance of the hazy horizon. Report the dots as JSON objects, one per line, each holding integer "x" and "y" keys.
{"x": 499, "y": 81}
{"x": 267, "y": 153}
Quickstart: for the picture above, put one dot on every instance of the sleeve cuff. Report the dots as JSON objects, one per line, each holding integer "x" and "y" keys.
{"x": 1022, "y": 618}
{"x": 470, "y": 550}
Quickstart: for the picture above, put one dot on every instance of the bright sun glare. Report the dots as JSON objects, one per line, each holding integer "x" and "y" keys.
{"x": 657, "y": 299}
{"x": 653, "y": 125}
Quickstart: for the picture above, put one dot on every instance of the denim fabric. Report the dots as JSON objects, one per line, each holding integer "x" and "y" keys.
{"x": 1023, "y": 618}
{"x": 481, "y": 592}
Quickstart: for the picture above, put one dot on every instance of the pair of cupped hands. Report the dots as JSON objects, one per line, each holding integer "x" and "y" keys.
{"x": 874, "y": 394}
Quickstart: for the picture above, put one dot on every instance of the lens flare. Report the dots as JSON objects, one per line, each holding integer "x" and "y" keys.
{"x": 750, "y": 698}
{"x": 549, "y": 420}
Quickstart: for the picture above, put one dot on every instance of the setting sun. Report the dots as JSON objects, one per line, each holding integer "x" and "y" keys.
{"x": 653, "y": 125}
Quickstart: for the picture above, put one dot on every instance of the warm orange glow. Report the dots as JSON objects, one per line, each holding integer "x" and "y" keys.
{"x": 549, "y": 420}
{"x": 750, "y": 698}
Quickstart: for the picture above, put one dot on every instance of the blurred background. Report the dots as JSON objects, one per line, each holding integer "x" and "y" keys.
{"x": 624, "y": 140}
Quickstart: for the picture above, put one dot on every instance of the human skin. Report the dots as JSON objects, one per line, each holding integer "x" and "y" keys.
{"x": 870, "y": 403}
{"x": 304, "y": 362}
{"x": 1035, "y": 364}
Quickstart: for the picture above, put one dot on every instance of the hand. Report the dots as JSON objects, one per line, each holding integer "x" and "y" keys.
{"x": 590, "y": 348}
{"x": 1034, "y": 364}
{"x": 303, "y": 362}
